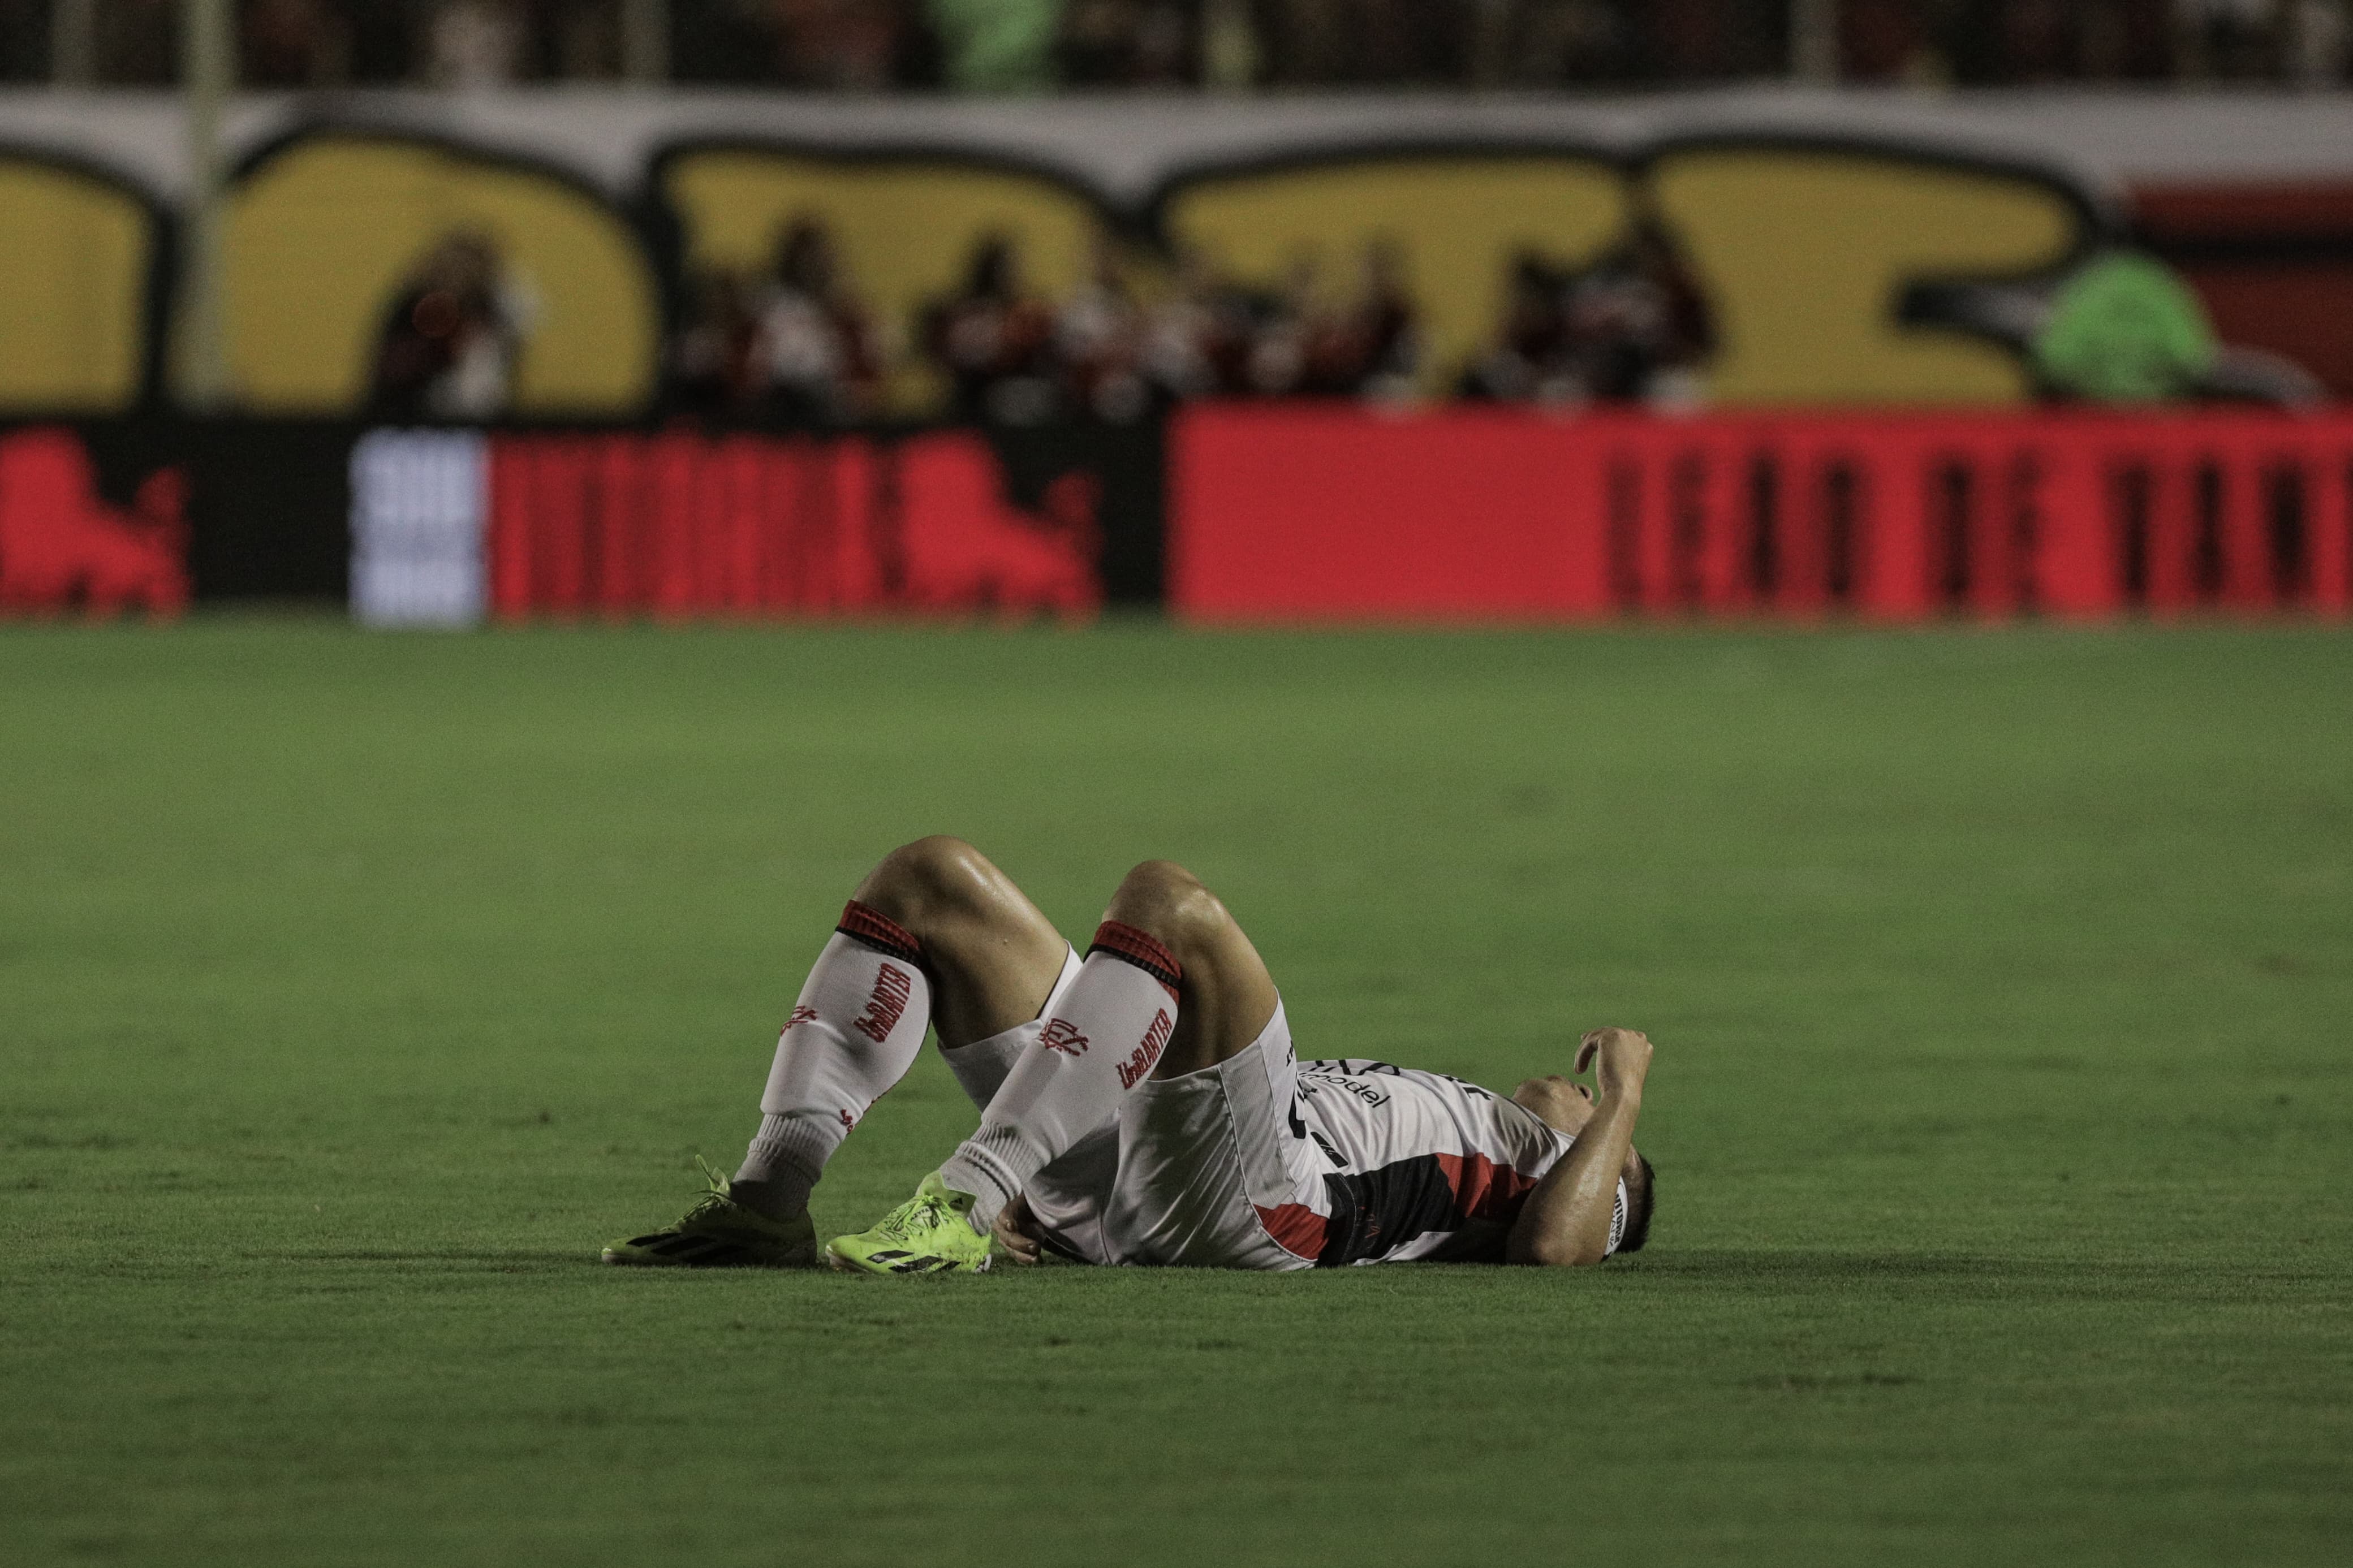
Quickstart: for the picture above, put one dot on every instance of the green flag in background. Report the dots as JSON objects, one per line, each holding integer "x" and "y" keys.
{"x": 998, "y": 46}
{"x": 2124, "y": 329}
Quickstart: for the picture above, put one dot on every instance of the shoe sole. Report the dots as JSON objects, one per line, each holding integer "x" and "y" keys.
{"x": 624, "y": 1260}
{"x": 842, "y": 1265}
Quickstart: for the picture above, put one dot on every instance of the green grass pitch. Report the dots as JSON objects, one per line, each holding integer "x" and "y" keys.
{"x": 353, "y": 989}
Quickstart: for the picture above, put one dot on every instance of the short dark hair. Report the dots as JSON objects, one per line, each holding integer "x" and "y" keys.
{"x": 1640, "y": 1195}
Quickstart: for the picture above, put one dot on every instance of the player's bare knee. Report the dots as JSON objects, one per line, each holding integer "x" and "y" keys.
{"x": 1163, "y": 899}
{"x": 928, "y": 878}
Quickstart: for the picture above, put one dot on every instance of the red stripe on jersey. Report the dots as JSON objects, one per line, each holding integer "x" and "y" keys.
{"x": 1483, "y": 1189}
{"x": 1296, "y": 1228}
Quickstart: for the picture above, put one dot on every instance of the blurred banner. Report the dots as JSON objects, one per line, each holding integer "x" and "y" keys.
{"x": 1306, "y": 515}
{"x": 448, "y": 527}
{"x": 1249, "y": 512}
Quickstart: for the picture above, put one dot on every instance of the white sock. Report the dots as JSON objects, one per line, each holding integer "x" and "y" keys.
{"x": 855, "y": 1031}
{"x": 1099, "y": 1041}
{"x": 982, "y": 1067}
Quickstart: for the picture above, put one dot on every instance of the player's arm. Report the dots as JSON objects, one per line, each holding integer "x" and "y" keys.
{"x": 1566, "y": 1220}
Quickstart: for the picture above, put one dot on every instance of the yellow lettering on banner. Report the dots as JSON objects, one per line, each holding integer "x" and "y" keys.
{"x": 1805, "y": 255}
{"x": 73, "y": 312}
{"x": 1457, "y": 220}
{"x": 320, "y": 239}
{"x": 905, "y": 229}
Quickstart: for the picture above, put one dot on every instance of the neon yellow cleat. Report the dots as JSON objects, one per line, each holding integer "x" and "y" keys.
{"x": 720, "y": 1233}
{"x": 928, "y": 1233}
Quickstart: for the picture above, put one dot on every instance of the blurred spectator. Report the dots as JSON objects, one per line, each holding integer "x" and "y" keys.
{"x": 1099, "y": 343}
{"x": 2234, "y": 37}
{"x": 293, "y": 43}
{"x": 2320, "y": 42}
{"x": 1529, "y": 362}
{"x": 1280, "y": 324}
{"x": 1710, "y": 41}
{"x": 997, "y": 45}
{"x": 1632, "y": 327}
{"x": 1024, "y": 45}
{"x": 1303, "y": 344}
{"x": 25, "y": 52}
{"x": 2123, "y": 328}
{"x": 1362, "y": 41}
{"x": 995, "y": 341}
{"x": 1887, "y": 41}
{"x": 1198, "y": 337}
{"x": 138, "y": 42}
{"x": 2027, "y": 42}
{"x": 473, "y": 44}
{"x": 856, "y": 44}
{"x": 449, "y": 343}
{"x": 1129, "y": 43}
{"x": 795, "y": 349}
{"x": 1550, "y": 42}
{"x": 1368, "y": 347}
{"x": 816, "y": 355}
{"x": 734, "y": 41}
{"x": 1638, "y": 324}
{"x": 715, "y": 366}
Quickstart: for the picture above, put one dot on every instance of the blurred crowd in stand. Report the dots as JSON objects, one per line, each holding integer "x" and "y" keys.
{"x": 795, "y": 345}
{"x": 1038, "y": 45}
{"x": 1632, "y": 327}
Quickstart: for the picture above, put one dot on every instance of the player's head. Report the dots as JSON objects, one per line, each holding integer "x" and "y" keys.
{"x": 1642, "y": 1184}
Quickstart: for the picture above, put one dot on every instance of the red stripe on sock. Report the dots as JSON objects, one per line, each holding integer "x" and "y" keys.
{"x": 879, "y": 930}
{"x": 1142, "y": 949}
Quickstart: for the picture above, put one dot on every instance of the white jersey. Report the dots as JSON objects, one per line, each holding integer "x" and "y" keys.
{"x": 1422, "y": 1166}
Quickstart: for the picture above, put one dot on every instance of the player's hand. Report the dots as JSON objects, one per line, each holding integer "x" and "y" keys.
{"x": 1621, "y": 1059}
{"x": 1016, "y": 1231}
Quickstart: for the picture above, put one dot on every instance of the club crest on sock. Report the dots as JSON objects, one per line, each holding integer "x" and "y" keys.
{"x": 1061, "y": 1036}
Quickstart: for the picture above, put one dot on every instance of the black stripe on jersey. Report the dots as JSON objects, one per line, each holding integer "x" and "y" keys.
{"x": 1376, "y": 1212}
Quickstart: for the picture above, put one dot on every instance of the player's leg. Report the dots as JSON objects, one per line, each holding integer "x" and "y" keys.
{"x": 934, "y": 935}
{"x": 1170, "y": 986}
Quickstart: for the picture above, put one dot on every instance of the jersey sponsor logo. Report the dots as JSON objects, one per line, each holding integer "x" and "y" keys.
{"x": 1156, "y": 1040}
{"x": 892, "y": 989}
{"x": 1061, "y": 1035}
{"x": 1356, "y": 1086}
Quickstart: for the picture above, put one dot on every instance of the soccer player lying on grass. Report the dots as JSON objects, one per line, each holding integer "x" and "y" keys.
{"x": 1144, "y": 1105}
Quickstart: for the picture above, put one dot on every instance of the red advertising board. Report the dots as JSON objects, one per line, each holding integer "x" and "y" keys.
{"x": 1304, "y": 514}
